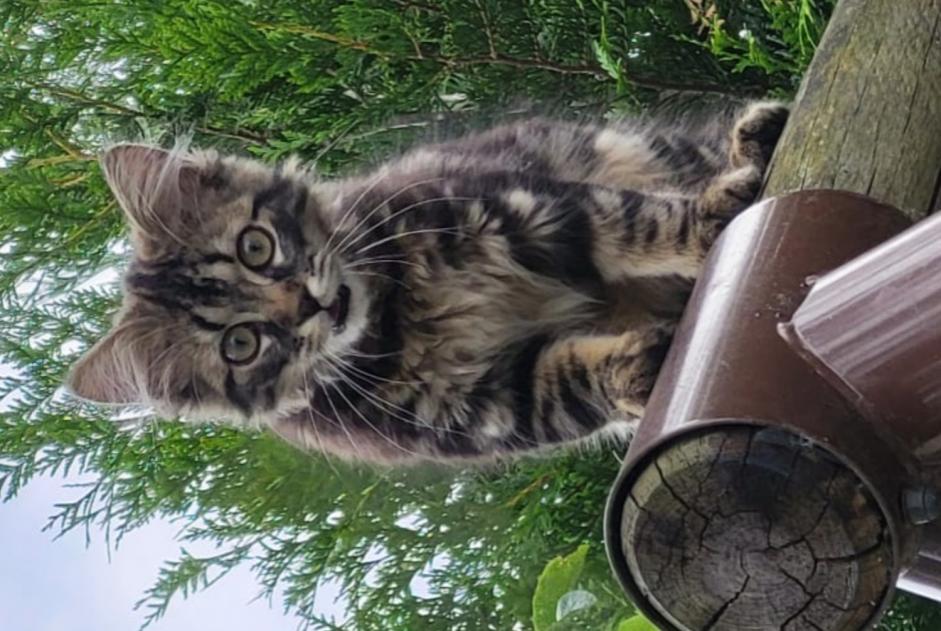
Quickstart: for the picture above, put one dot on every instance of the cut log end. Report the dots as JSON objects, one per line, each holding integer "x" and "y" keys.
{"x": 752, "y": 528}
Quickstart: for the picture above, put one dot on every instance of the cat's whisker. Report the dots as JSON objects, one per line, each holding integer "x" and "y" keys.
{"x": 351, "y": 209}
{"x": 343, "y": 245}
{"x": 349, "y": 212}
{"x": 368, "y": 374}
{"x": 399, "y": 235}
{"x": 313, "y": 421}
{"x": 195, "y": 390}
{"x": 339, "y": 365}
{"x": 305, "y": 378}
{"x": 401, "y": 211}
{"x": 339, "y": 419}
{"x": 353, "y": 353}
{"x": 386, "y": 276}
{"x": 384, "y": 405}
{"x": 379, "y": 404}
{"x": 369, "y": 424}
{"x": 379, "y": 261}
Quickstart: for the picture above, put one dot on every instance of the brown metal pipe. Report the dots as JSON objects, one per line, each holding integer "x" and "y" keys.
{"x": 753, "y": 493}
{"x": 871, "y": 329}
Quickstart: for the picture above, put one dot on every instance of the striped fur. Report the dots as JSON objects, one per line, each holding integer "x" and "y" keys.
{"x": 471, "y": 299}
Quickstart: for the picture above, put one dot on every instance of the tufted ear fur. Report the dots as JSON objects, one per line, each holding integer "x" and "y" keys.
{"x": 112, "y": 371}
{"x": 157, "y": 189}
{"x": 142, "y": 359}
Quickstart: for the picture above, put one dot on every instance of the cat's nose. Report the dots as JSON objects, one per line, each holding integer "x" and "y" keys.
{"x": 307, "y": 308}
{"x": 290, "y": 303}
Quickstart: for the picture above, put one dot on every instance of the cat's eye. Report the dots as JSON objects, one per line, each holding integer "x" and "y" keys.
{"x": 241, "y": 343}
{"x": 255, "y": 247}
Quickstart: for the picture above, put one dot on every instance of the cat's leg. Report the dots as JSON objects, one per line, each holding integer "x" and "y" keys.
{"x": 581, "y": 384}
{"x": 654, "y": 235}
{"x": 753, "y": 139}
{"x": 645, "y": 235}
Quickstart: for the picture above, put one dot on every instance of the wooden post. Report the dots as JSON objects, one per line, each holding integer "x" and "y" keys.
{"x": 867, "y": 118}
{"x": 745, "y": 527}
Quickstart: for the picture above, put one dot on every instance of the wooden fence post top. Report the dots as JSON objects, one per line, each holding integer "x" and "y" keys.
{"x": 745, "y": 529}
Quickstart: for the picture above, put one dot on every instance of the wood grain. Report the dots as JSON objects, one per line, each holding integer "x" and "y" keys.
{"x": 868, "y": 115}
{"x": 746, "y": 530}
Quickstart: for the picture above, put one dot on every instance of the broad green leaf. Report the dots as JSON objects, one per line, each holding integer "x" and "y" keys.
{"x": 557, "y": 578}
{"x": 637, "y": 623}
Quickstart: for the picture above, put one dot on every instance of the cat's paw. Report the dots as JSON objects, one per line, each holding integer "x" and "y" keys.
{"x": 730, "y": 193}
{"x": 636, "y": 375}
{"x": 756, "y": 132}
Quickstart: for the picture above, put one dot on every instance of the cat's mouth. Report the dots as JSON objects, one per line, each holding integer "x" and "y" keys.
{"x": 340, "y": 309}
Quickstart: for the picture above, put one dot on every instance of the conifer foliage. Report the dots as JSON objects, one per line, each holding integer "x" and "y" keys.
{"x": 341, "y": 83}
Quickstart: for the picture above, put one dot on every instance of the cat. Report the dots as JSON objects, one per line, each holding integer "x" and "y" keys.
{"x": 468, "y": 300}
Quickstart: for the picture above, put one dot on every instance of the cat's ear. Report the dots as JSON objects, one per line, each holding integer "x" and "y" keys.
{"x": 110, "y": 372}
{"x": 155, "y": 187}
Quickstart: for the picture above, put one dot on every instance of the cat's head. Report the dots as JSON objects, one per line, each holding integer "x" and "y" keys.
{"x": 235, "y": 300}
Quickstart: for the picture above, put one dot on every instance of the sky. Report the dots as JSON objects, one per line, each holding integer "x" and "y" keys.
{"x": 60, "y": 585}
{"x": 49, "y": 584}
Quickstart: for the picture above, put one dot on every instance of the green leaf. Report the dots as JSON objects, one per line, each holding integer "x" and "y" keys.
{"x": 557, "y": 578}
{"x": 637, "y": 623}
{"x": 607, "y": 61}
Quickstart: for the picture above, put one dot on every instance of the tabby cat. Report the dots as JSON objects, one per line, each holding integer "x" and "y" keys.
{"x": 468, "y": 300}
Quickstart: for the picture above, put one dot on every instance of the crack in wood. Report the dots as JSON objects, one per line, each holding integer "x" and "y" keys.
{"x": 721, "y": 611}
{"x": 697, "y": 565}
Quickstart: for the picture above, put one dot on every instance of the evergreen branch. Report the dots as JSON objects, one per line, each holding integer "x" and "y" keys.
{"x": 71, "y": 180}
{"x": 516, "y": 62}
{"x": 532, "y": 486}
{"x": 44, "y": 256}
{"x": 647, "y": 82}
{"x": 59, "y": 159}
{"x": 323, "y": 623}
{"x": 307, "y": 31}
{"x": 409, "y": 4}
{"x": 115, "y": 108}
{"x": 499, "y": 59}
{"x": 485, "y": 18}
{"x": 65, "y": 145}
